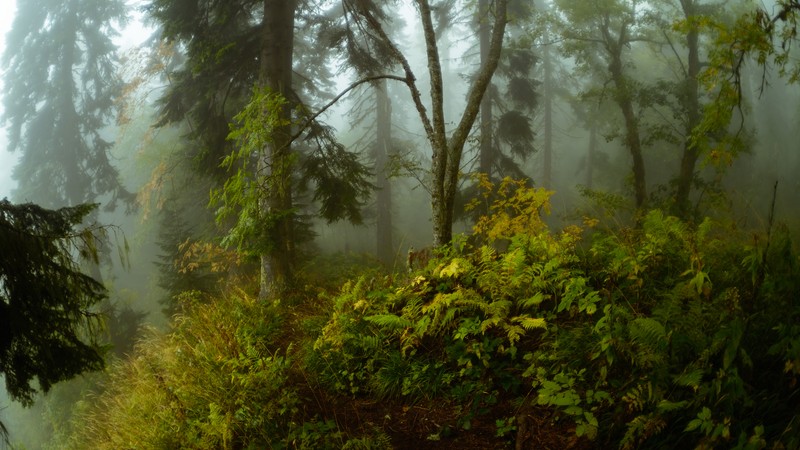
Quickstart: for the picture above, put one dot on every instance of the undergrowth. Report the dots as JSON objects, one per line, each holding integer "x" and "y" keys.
{"x": 660, "y": 336}
{"x": 663, "y": 335}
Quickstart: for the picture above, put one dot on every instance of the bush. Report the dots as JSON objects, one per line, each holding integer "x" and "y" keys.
{"x": 659, "y": 336}
{"x": 213, "y": 382}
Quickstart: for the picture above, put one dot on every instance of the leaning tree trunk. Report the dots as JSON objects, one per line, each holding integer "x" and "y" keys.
{"x": 447, "y": 153}
{"x": 276, "y": 74}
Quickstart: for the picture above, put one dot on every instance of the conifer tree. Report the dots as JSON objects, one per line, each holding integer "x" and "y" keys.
{"x": 46, "y": 333}
{"x": 238, "y": 53}
{"x": 61, "y": 85}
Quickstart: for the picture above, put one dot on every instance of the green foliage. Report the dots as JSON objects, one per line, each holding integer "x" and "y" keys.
{"x": 253, "y": 178}
{"x": 258, "y": 175}
{"x": 651, "y": 338}
{"x": 657, "y": 336}
{"x": 213, "y": 382}
{"x": 48, "y": 330}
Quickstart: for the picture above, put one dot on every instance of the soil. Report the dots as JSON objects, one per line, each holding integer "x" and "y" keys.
{"x": 435, "y": 425}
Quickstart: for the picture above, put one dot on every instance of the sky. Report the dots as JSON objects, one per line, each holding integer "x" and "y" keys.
{"x": 133, "y": 35}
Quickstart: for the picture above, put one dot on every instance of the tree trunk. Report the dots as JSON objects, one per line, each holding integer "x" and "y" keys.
{"x": 690, "y": 151}
{"x": 485, "y": 158}
{"x": 632, "y": 137}
{"x": 385, "y": 249}
{"x": 590, "y": 154}
{"x": 276, "y": 74}
{"x": 447, "y": 153}
{"x": 547, "y": 169}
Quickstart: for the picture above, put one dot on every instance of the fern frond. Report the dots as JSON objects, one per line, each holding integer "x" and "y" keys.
{"x": 690, "y": 379}
{"x": 389, "y": 321}
{"x": 639, "y": 396}
{"x": 640, "y": 429}
{"x": 532, "y": 302}
{"x": 530, "y": 323}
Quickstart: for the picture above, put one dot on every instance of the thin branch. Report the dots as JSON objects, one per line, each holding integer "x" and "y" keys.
{"x": 328, "y": 105}
{"x": 674, "y": 51}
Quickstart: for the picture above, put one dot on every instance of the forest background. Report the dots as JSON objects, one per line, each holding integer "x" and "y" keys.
{"x": 579, "y": 96}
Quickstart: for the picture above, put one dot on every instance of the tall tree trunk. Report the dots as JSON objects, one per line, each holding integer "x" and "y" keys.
{"x": 592, "y": 151}
{"x": 276, "y": 74}
{"x": 485, "y": 157}
{"x": 385, "y": 249}
{"x": 446, "y": 153}
{"x": 547, "y": 169}
{"x": 632, "y": 136}
{"x": 690, "y": 151}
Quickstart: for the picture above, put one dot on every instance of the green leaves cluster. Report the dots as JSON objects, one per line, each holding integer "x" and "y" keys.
{"x": 253, "y": 177}
{"x": 259, "y": 172}
{"x": 651, "y": 337}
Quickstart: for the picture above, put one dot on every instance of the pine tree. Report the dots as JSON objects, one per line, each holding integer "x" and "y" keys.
{"x": 61, "y": 86}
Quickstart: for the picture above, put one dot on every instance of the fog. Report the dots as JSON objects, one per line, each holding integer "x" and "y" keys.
{"x": 557, "y": 121}
{"x": 7, "y": 160}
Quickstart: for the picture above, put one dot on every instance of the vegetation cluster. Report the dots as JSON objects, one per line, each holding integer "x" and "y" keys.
{"x": 280, "y": 156}
{"x": 666, "y": 335}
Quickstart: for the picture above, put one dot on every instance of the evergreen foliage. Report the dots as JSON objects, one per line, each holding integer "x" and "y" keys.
{"x": 339, "y": 179}
{"x": 60, "y": 89}
{"x": 175, "y": 234}
{"x": 47, "y": 327}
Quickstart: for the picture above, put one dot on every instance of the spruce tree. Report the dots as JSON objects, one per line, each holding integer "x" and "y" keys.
{"x": 61, "y": 84}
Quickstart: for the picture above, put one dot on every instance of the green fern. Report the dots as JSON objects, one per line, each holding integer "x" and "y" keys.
{"x": 390, "y": 321}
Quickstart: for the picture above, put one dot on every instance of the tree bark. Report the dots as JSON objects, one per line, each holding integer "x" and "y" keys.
{"x": 485, "y": 158}
{"x": 385, "y": 249}
{"x": 591, "y": 152}
{"x": 624, "y": 100}
{"x": 692, "y": 105}
{"x": 276, "y": 74}
{"x": 447, "y": 153}
{"x": 547, "y": 164}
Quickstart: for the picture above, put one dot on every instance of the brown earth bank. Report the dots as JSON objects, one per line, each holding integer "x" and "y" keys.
{"x": 435, "y": 425}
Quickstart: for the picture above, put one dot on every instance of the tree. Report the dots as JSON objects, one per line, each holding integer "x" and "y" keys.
{"x": 383, "y": 152}
{"x": 612, "y": 28}
{"x": 60, "y": 91}
{"x": 46, "y": 322}
{"x": 239, "y": 59}
{"x": 275, "y": 74}
{"x": 447, "y": 150}
{"x": 505, "y": 125}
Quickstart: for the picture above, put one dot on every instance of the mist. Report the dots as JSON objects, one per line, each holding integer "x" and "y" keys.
{"x": 402, "y": 151}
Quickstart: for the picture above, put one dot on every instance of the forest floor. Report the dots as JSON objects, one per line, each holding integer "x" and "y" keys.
{"x": 432, "y": 425}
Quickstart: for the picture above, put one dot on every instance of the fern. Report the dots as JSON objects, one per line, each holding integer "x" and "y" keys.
{"x": 640, "y": 429}
{"x": 390, "y": 321}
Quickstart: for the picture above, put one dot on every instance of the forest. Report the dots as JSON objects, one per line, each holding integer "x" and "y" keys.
{"x": 356, "y": 224}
